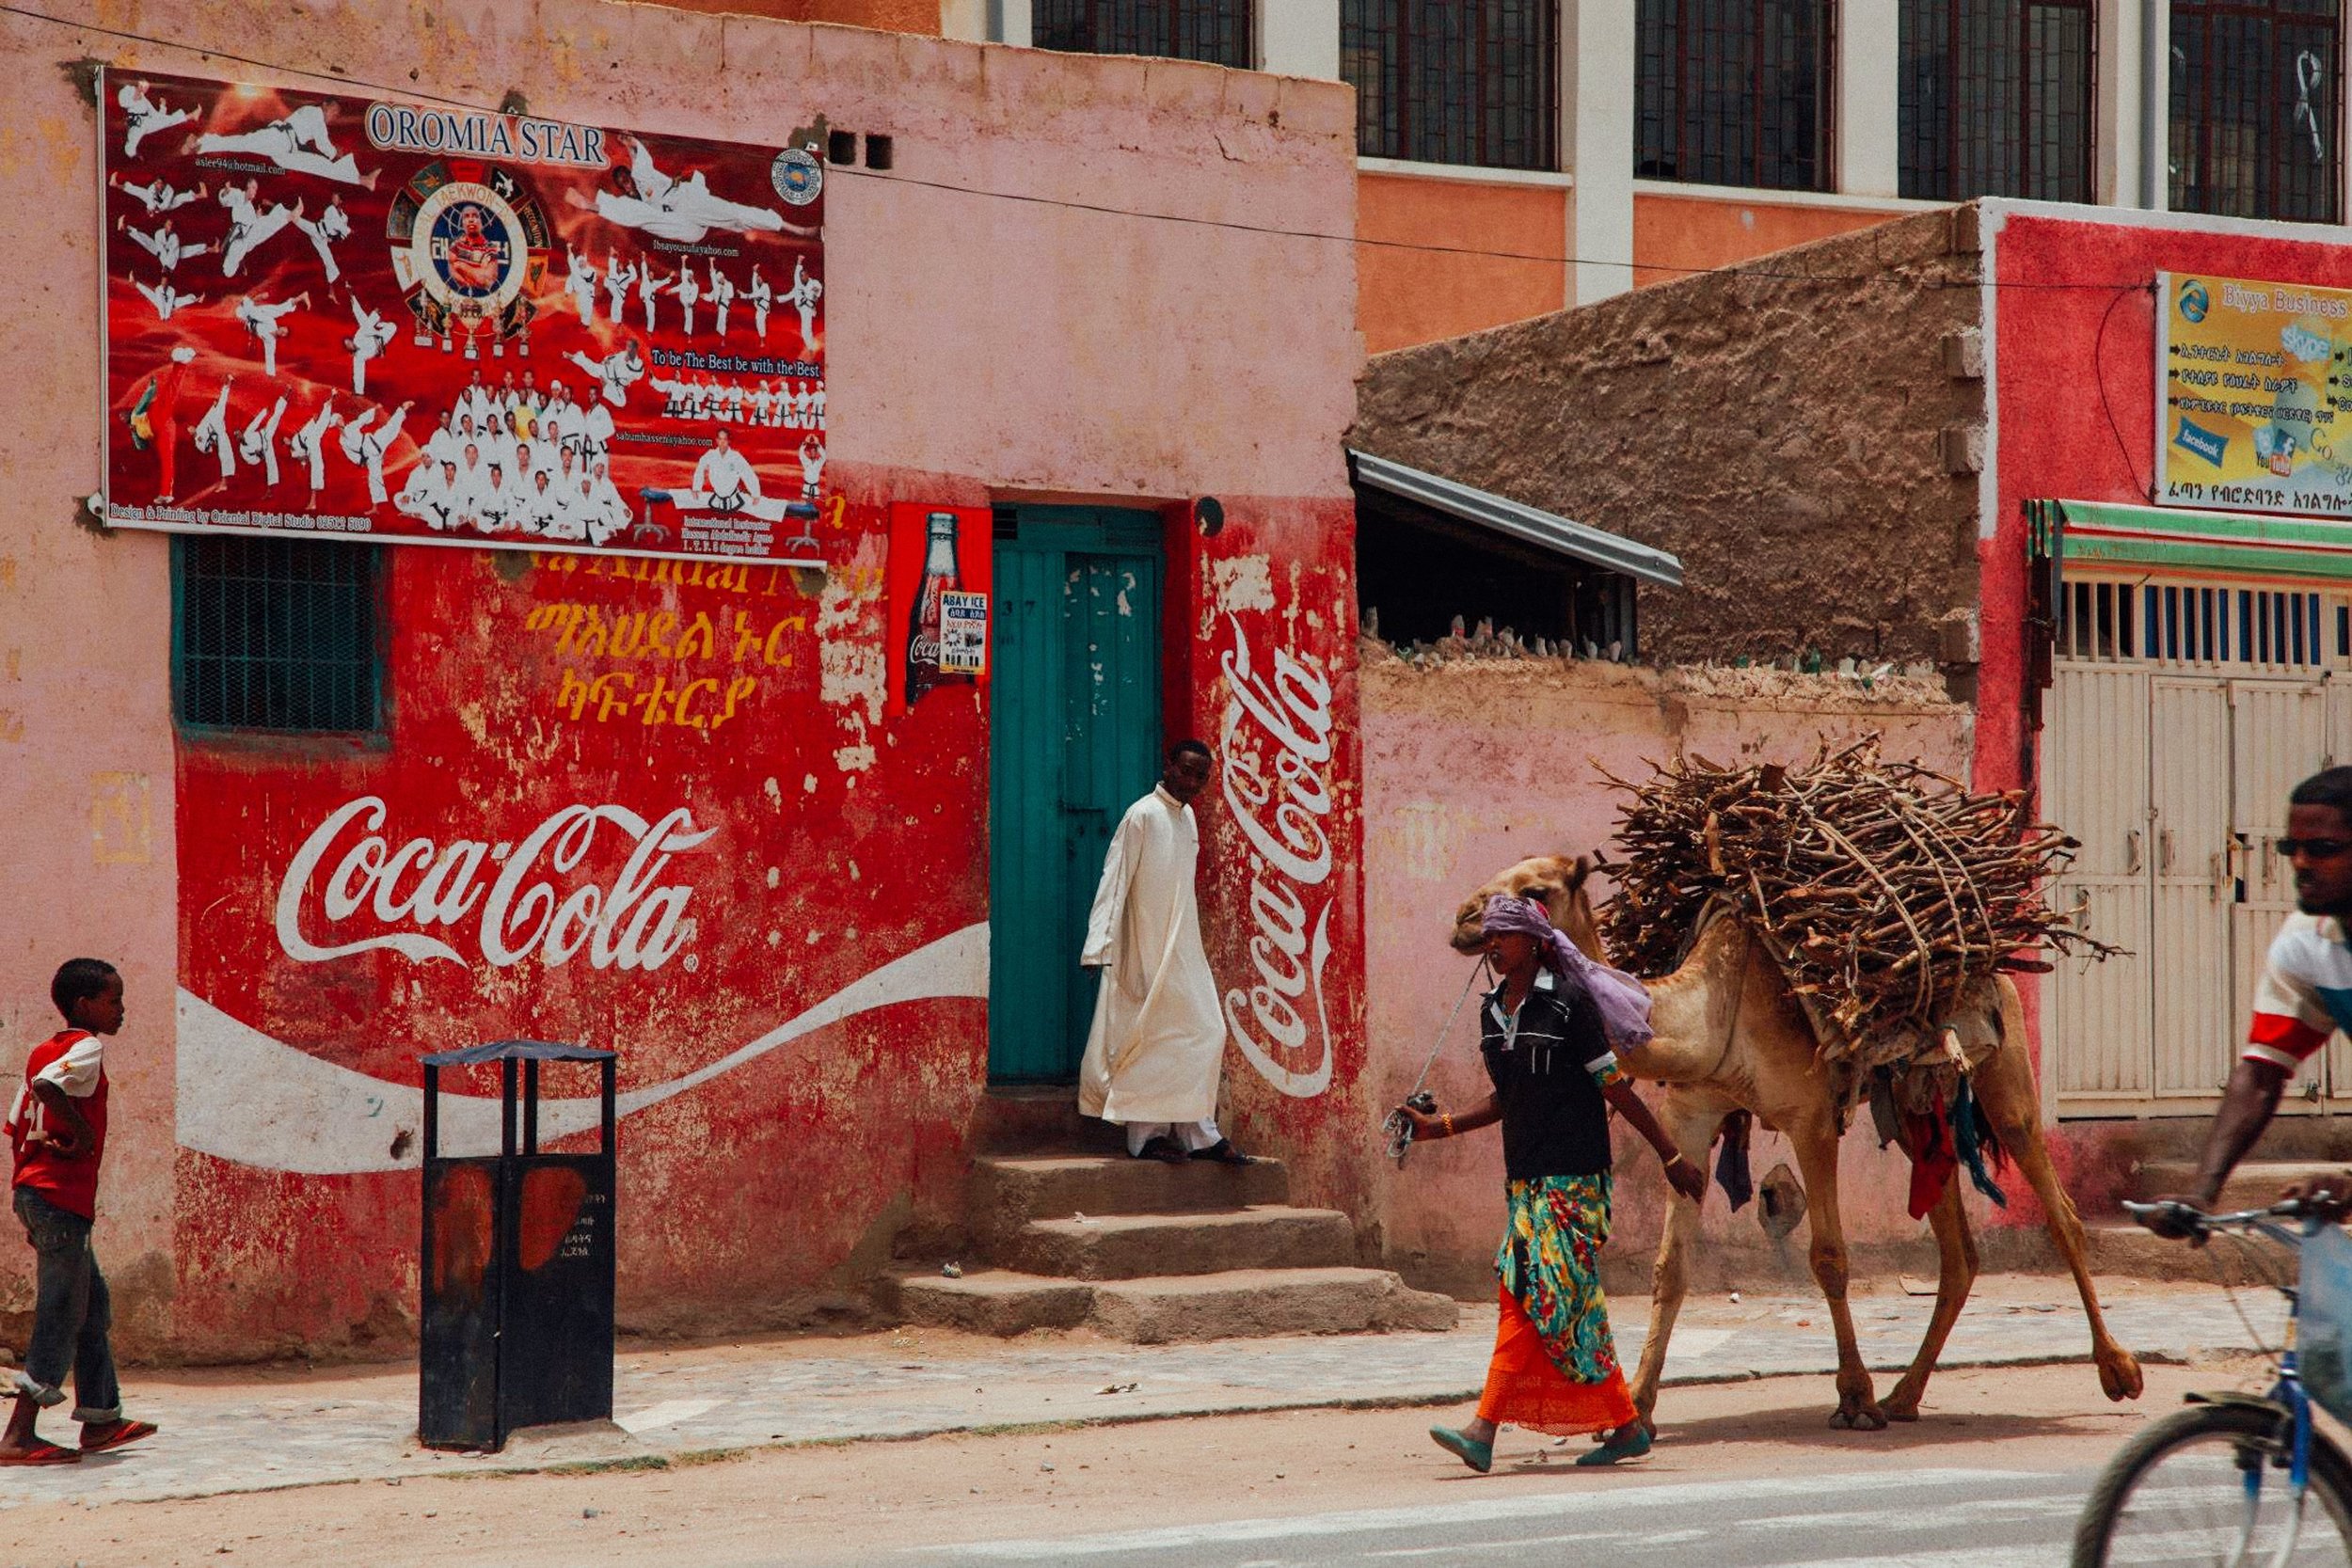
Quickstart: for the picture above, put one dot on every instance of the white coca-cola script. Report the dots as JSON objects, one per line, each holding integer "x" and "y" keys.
{"x": 1275, "y": 743}
{"x": 514, "y": 910}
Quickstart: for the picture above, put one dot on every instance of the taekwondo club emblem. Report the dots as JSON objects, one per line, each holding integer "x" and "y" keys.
{"x": 469, "y": 245}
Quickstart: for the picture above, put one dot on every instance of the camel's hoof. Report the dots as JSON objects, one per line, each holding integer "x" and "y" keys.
{"x": 1896, "y": 1410}
{"x": 1859, "y": 1418}
{"x": 2120, "y": 1377}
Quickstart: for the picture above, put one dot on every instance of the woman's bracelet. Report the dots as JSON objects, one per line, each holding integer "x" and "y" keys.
{"x": 1446, "y": 1121}
{"x": 1676, "y": 1158}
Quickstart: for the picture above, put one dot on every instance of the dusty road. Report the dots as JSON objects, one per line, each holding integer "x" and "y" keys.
{"x": 1747, "y": 1473}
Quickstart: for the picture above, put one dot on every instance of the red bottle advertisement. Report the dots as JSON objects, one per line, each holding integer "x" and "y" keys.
{"x": 939, "y": 563}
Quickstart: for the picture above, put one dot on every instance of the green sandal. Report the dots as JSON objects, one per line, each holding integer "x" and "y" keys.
{"x": 1631, "y": 1442}
{"x": 1478, "y": 1456}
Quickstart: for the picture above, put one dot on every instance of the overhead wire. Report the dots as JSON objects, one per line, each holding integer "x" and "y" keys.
{"x": 1742, "y": 270}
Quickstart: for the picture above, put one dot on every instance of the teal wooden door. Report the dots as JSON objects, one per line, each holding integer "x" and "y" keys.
{"x": 1073, "y": 740}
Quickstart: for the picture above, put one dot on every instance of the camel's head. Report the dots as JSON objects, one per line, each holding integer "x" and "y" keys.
{"x": 1555, "y": 881}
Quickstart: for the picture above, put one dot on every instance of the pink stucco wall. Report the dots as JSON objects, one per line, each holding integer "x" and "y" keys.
{"x": 979, "y": 346}
{"x": 1474, "y": 765}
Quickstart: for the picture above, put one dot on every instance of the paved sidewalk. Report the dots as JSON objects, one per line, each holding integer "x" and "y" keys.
{"x": 241, "y": 1429}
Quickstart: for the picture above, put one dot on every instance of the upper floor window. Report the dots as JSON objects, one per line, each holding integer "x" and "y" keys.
{"x": 1997, "y": 99}
{"x": 1455, "y": 81}
{"x": 1218, "y": 31}
{"x": 1735, "y": 92}
{"x": 2255, "y": 106}
{"x": 276, "y": 634}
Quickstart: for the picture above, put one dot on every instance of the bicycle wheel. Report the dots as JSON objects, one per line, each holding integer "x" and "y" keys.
{"x": 2208, "y": 1485}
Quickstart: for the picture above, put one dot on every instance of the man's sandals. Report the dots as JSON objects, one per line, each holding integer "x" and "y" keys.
{"x": 1224, "y": 1153}
{"x": 117, "y": 1436}
{"x": 1163, "y": 1148}
{"x": 42, "y": 1453}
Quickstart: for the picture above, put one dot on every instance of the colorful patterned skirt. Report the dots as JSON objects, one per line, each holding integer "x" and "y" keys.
{"x": 1555, "y": 1365}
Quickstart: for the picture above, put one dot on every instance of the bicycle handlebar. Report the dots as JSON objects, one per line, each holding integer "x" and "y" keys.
{"x": 2194, "y": 1218}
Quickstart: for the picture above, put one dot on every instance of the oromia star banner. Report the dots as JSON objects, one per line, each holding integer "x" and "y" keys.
{"x": 367, "y": 319}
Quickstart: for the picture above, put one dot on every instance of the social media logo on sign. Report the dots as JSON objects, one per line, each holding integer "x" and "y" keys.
{"x": 2194, "y": 300}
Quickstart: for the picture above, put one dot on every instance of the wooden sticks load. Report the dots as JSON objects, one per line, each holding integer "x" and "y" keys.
{"x": 1883, "y": 888}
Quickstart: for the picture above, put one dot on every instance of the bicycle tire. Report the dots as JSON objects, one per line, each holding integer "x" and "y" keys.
{"x": 2261, "y": 1425}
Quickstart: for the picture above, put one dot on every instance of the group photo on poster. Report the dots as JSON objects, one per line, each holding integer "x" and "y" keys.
{"x": 342, "y": 317}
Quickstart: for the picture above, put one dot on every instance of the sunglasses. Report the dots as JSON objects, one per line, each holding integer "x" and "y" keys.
{"x": 2315, "y": 849}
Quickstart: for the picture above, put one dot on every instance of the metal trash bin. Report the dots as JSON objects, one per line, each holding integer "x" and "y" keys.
{"x": 517, "y": 1268}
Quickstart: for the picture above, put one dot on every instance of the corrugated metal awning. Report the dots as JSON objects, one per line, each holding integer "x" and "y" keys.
{"x": 1533, "y": 525}
{"x": 2252, "y": 543}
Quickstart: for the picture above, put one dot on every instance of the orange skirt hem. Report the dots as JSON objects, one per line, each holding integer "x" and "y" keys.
{"x": 1524, "y": 1388}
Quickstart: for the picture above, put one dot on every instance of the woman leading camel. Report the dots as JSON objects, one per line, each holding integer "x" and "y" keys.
{"x": 1554, "y": 1072}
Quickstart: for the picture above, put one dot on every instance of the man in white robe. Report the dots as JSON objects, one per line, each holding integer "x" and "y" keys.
{"x": 1158, "y": 1048}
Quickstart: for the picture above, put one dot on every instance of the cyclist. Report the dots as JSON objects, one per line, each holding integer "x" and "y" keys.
{"x": 2305, "y": 996}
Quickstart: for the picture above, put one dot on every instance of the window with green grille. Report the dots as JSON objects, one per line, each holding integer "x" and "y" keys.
{"x": 276, "y": 634}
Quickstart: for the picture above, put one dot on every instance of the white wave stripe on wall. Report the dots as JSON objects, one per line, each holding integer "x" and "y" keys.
{"x": 245, "y": 1097}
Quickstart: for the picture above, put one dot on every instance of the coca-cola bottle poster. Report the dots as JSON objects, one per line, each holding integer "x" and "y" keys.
{"x": 937, "y": 553}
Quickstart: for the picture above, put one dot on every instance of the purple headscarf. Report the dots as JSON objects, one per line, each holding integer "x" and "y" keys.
{"x": 1621, "y": 1000}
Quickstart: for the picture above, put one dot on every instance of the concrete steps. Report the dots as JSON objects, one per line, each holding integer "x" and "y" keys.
{"x": 1151, "y": 1252}
{"x": 1230, "y": 1304}
{"x": 1130, "y": 1246}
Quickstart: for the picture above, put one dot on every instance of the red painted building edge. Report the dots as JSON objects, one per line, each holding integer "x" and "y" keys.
{"x": 264, "y": 1200}
{"x": 2069, "y": 327}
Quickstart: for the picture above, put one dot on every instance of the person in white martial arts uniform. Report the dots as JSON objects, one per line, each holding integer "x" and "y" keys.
{"x": 722, "y": 295}
{"x": 266, "y": 322}
{"x": 580, "y": 278}
{"x": 649, "y": 286}
{"x": 492, "y": 502}
{"x": 161, "y": 196}
{"x": 333, "y": 225}
{"x": 797, "y": 417}
{"x": 145, "y": 115}
{"x": 763, "y": 402}
{"x": 565, "y": 520}
{"x": 445, "y": 442}
{"x": 212, "y": 433}
{"x": 816, "y": 406}
{"x": 366, "y": 446}
{"x": 164, "y": 243}
{"x": 616, "y": 371}
{"x": 812, "y": 465}
{"x": 248, "y": 226}
{"x": 618, "y": 276}
{"x": 724, "y": 484}
{"x": 542, "y": 504}
{"x": 595, "y": 433}
{"x": 165, "y": 298}
{"x": 1156, "y": 1049}
{"x": 258, "y": 443}
{"x": 804, "y": 294}
{"x": 465, "y": 485}
{"x": 298, "y": 144}
{"x": 428, "y": 495}
{"x": 371, "y": 334}
{"x": 309, "y": 444}
{"x": 689, "y": 289}
{"x": 682, "y": 210}
{"x": 608, "y": 510}
{"x": 734, "y": 403}
{"x": 761, "y": 296}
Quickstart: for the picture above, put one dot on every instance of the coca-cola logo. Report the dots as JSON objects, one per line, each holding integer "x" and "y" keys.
{"x": 1275, "y": 743}
{"x": 507, "y": 896}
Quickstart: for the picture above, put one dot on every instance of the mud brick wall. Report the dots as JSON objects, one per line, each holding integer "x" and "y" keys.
{"x": 1803, "y": 432}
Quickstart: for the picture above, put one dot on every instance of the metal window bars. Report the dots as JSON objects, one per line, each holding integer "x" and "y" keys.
{"x": 2203, "y": 623}
{"x": 2256, "y": 101}
{"x": 1220, "y": 32}
{"x": 1995, "y": 99}
{"x": 1472, "y": 82}
{"x": 1735, "y": 92}
{"x": 276, "y": 634}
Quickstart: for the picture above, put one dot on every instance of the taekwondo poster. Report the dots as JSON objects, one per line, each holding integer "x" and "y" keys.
{"x": 368, "y": 319}
{"x": 2254, "y": 380}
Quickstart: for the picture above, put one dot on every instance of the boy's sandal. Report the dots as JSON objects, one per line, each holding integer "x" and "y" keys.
{"x": 42, "y": 1453}
{"x": 129, "y": 1431}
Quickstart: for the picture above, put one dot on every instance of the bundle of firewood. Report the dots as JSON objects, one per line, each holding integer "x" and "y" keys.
{"x": 1884, "y": 890}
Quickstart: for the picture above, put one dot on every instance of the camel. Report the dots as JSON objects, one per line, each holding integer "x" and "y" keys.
{"x": 1730, "y": 1036}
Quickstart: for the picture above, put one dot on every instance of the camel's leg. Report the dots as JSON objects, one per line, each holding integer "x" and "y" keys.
{"x": 1815, "y": 1147}
{"x": 1956, "y": 1271}
{"x": 1690, "y": 1115}
{"x": 2012, "y": 1100}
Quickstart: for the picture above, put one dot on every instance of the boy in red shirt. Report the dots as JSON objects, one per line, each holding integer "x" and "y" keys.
{"x": 58, "y": 1127}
